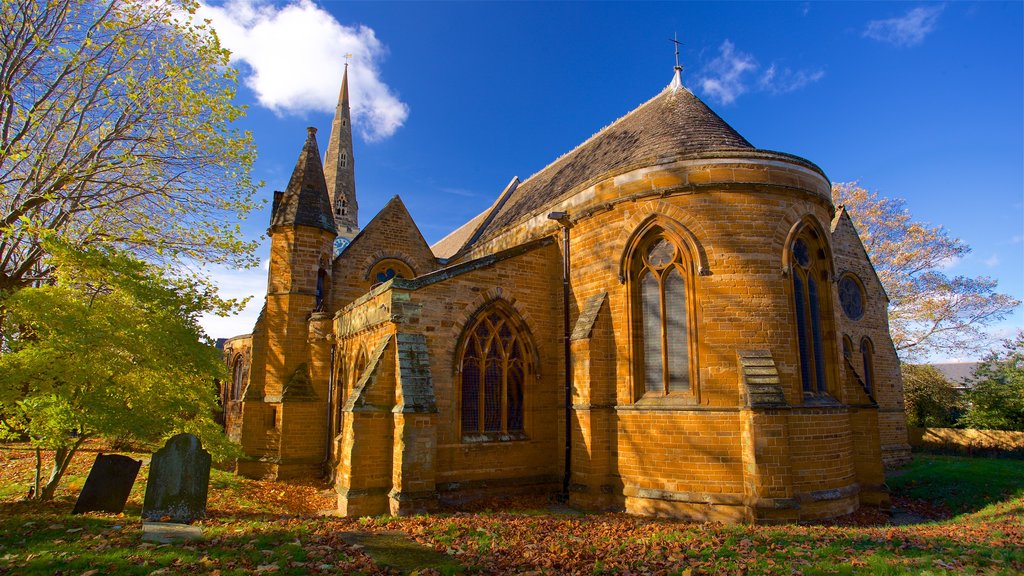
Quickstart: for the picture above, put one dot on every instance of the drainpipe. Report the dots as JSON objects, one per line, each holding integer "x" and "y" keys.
{"x": 563, "y": 219}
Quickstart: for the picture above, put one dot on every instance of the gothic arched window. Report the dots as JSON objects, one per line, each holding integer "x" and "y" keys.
{"x": 663, "y": 312}
{"x": 493, "y": 365}
{"x": 343, "y": 160}
{"x": 322, "y": 290}
{"x": 867, "y": 353}
{"x": 239, "y": 374}
{"x": 812, "y": 308}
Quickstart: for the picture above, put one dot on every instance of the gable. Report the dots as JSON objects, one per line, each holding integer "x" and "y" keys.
{"x": 850, "y": 254}
{"x": 391, "y": 235}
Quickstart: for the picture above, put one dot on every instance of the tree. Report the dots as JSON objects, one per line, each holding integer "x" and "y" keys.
{"x": 110, "y": 348}
{"x": 116, "y": 129}
{"x": 995, "y": 400}
{"x": 929, "y": 312}
{"x": 931, "y": 400}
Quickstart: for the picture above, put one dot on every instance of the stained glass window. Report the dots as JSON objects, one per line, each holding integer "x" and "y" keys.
{"x": 811, "y": 310}
{"x": 663, "y": 319}
{"x": 493, "y": 370}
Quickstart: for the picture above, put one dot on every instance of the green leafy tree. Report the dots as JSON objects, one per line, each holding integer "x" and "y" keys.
{"x": 931, "y": 399}
{"x": 929, "y": 312}
{"x": 995, "y": 400}
{"x": 116, "y": 129}
{"x": 110, "y": 348}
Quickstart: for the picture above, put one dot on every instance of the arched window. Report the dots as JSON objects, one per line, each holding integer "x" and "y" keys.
{"x": 493, "y": 365}
{"x": 663, "y": 312}
{"x": 322, "y": 289}
{"x": 387, "y": 269}
{"x": 239, "y": 374}
{"x": 867, "y": 353}
{"x": 812, "y": 307}
{"x": 357, "y": 368}
{"x": 343, "y": 160}
{"x": 847, "y": 348}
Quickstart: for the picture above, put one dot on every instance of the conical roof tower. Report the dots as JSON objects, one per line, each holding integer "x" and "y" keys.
{"x": 305, "y": 201}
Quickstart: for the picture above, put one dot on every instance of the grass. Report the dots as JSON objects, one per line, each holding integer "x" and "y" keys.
{"x": 272, "y": 528}
{"x": 962, "y": 484}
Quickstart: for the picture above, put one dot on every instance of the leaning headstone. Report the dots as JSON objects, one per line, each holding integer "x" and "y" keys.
{"x": 179, "y": 477}
{"x": 108, "y": 485}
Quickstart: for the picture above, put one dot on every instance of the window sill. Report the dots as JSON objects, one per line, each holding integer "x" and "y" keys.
{"x": 679, "y": 399}
{"x": 494, "y": 437}
{"x": 820, "y": 399}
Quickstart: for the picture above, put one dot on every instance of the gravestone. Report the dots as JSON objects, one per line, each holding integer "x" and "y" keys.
{"x": 179, "y": 477}
{"x": 108, "y": 485}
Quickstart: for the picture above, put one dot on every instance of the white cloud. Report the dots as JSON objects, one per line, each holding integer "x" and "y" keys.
{"x": 782, "y": 80}
{"x": 295, "y": 54}
{"x": 733, "y": 73}
{"x": 948, "y": 263}
{"x": 992, "y": 261}
{"x": 726, "y": 75}
{"x": 907, "y": 30}
{"x": 239, "y": 284}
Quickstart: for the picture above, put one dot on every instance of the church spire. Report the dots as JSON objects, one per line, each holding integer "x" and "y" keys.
{"x": 339, "y": 166}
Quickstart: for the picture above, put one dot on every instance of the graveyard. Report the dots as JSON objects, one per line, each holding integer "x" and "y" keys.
{"x": 952, "y": 515}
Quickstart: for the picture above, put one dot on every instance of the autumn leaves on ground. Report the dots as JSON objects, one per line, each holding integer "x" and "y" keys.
{"x": 967, "y": 517}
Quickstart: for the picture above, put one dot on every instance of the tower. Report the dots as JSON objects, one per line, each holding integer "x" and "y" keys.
{"x": 282, "y": 424}
{"x": 339, "y": 171}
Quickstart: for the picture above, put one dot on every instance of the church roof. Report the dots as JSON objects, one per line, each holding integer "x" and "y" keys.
{"x": 305, "y": 201}
{"x": 673, "y": 124}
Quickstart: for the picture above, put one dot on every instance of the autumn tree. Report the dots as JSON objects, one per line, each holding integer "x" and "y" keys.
{"x": 931, "y": 399}
{"x": 116, "y": 129}
{"x": 110, "y": 347}
{"x": 929, "y": 311}
{"x": 995, "y": 400}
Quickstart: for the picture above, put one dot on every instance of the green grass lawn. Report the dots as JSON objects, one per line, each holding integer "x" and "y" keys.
{"x": 272, "y": 528}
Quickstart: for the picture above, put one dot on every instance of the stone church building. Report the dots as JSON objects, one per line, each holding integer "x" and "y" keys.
{"x": 718, "y": 350}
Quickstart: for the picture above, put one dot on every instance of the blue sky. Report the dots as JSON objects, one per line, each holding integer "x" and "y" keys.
{"x": 921, "y": 101}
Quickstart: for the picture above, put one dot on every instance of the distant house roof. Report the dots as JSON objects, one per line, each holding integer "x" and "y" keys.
{"x": 957, "y": 372}
{"x": 672, "y": 125}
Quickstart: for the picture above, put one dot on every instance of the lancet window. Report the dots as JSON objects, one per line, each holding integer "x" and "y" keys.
{"x": 812, "y": 308}
{"x": 663, "y": 316}
{"x": 493, "y": 366}
{"x": 867, "y": 353}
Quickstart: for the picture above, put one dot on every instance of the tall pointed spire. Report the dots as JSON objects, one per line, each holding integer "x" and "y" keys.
{"x": 339, "y": 167}
{"x": 305, "y": 201}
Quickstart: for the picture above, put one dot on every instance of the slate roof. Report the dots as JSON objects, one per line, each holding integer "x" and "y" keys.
{"x": 305, "y": 201}
{"x": 673, "y": 124}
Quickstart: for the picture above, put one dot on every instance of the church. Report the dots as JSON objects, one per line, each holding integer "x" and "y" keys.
{"x": 665, "y": 320}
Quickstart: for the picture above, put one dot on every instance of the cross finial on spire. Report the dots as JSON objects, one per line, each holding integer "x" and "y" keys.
{"x": 675, "y": 40}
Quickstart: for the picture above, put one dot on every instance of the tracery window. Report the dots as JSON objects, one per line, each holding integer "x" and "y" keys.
{"x": 663, "y": 312}
{"x": 343, "y": 160}
{"x": 387, "y": 269}
{"x": 812, "y": 308}
{"x": 493, "y": 366}
{"x": 867, "y": 353}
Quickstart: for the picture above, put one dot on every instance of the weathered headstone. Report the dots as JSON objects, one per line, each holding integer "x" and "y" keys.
{"x": 179, "y": 477}
{"x": 108, "y": 485}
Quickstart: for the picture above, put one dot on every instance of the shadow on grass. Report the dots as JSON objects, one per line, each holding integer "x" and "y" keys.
{"x": 963, "y": 484}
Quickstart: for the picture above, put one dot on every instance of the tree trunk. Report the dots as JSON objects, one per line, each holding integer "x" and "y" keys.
{"x": 61, "y": 460}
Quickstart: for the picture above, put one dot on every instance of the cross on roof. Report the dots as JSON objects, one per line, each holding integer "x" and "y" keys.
{"x": 675, "y": 40}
